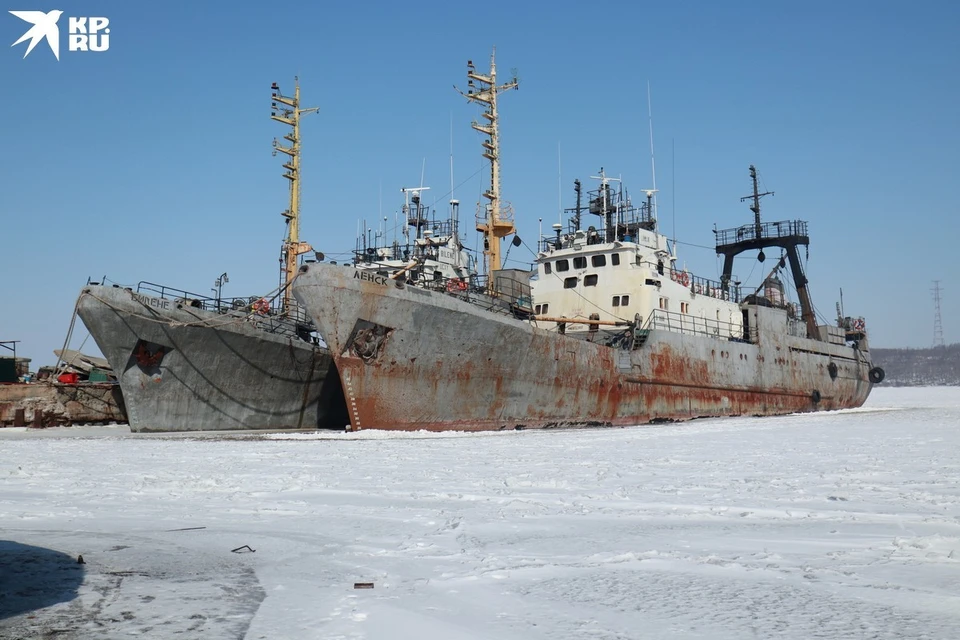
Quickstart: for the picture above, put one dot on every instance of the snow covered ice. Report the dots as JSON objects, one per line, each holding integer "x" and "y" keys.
{"x": 833, "y": 525}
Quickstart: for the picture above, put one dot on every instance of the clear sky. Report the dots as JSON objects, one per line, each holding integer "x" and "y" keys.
{"x": 151, "y": 161}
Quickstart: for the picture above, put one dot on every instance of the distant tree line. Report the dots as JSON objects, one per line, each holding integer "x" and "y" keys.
{"x": 938, "y": 366}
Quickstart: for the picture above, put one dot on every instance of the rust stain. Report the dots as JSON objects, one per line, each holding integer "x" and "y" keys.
{"x": 438, "y": 395}
{"x": 437, "y": 380}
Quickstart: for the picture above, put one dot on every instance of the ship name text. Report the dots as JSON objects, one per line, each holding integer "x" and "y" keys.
{"x": 370, "y": 277}
{"x": 156, "y": 303}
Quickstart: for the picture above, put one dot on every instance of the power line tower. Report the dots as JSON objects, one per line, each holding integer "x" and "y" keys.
{"x": 937, "y": 323}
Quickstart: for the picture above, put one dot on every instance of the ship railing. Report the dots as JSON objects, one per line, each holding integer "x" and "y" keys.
{"x": 193, "y": 300}
{"x": 295, "y": 323}
{"x": 578, "y": 238}
{"x": 510, "y": 296}
{"x": 503, "y": 217}
{"x": 705, "y": 287}
{"x": 271, "y": 318}
{"x": 687, "y": 324}
{"x": 440, "y": 227}
{"x": 381, "y": 253}
{"x": 169, "y": 293}
{"x": 627, "y": 230}
{"x": 766, "y": 230}
{"x": 547, "y": 244}
{"x": 626, "y": 219}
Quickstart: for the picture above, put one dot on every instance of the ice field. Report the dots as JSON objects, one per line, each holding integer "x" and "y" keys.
{"x": 832, "y": 525}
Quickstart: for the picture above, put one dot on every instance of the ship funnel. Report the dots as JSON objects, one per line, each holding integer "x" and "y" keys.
{"x": 773, "y": 290}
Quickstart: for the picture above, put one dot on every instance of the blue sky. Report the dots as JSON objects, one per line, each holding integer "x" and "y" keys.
{"x": 151, "y": 161}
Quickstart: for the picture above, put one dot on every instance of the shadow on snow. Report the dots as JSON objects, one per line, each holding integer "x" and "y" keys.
{"x": 33, "y": 578}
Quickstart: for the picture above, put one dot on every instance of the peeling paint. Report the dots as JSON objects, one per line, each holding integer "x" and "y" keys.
{"x": 449, "y": 365}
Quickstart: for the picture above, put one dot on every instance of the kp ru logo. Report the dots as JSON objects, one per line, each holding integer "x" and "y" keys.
{"x": 83, "y": 34}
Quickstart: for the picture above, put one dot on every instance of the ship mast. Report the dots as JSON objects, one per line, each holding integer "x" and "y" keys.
{"x": 288, "y": 112}
{"x": 495, "y": 220}
{"x": 755, "y": 207}
{"x": 788, "y": 235}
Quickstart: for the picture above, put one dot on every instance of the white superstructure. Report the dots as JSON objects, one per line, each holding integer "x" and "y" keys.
{"x": 623, "y": 270}
{"x": 430, "y": 251}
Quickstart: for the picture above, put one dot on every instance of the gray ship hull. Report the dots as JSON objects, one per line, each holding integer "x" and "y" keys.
{"x": 415, "y": 359}
{"x": 187, "y": 369}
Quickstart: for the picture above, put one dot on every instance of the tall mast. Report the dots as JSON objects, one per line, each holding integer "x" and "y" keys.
{"x": 755, "y": 207}
{"x": 288, "y": 112}
{"x": 495, "y": 220}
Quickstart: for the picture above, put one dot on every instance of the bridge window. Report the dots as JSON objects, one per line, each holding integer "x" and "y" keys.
{"x": 684, "y": 307}
{"x": 563, "y": 265}
{"x": 590, "y": 281}
{"x": 599, "y": 261}
{"x": 616, "y": 301}
{"x": 580, "y": 262}
{"x": 624, "y": 301}
{"x": 615, "y": 259}
{"x": 570, "y": 283}
{"x": 663, "y": 303}
{"x": 546, "y": 268}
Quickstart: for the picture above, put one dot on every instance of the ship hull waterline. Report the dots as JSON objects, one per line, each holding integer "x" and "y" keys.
{"x": 414, "y": 359}
{"x": 187, "y": 369}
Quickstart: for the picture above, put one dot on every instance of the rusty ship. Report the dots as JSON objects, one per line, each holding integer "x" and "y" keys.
{"x": 187, "y": 362}
{"x": 607, "y": 330}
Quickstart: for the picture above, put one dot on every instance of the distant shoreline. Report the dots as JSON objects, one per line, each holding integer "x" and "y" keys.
{"x": 931, "y": 367}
